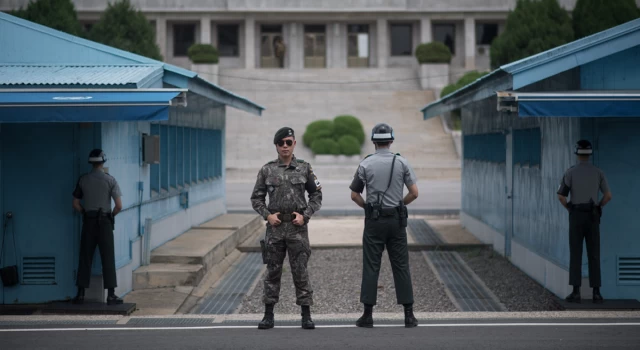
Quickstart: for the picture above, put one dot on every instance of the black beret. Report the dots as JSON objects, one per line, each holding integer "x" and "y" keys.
{"x": 282, "y": 133}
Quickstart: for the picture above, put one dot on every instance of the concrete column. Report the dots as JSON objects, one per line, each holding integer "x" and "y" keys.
{"x": 425, "y": 30}
{"x": 296, "y": 46}
{"x": 383, "y": 43}
{"x": 161, "y": 36}
{"x": 249, "y": 43}
{"x": 470, "y": 43}
{"x": 205, "y": 30}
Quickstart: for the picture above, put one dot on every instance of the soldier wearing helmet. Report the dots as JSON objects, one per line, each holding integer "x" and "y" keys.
{"x": 97, "y": 188}
{"x": 582, "y": 182}
{"x": 384, "y": 174}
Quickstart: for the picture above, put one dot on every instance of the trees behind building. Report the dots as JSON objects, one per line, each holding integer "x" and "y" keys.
{"x": 593, "y": 16}
{"x": 121, "y": 25}
{"x": 535, "y": 26}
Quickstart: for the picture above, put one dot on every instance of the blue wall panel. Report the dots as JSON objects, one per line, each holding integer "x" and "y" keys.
{"x": 616, "y": 72}
{"x": 489, "y": 147}
{"x": 527, "y": 147}
{"x": 155, "y": 168}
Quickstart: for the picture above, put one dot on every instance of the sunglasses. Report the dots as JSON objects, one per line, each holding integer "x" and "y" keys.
{"x": 282, "y": 142}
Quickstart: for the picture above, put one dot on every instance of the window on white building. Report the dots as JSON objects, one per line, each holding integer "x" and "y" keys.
{"x": 228, "y": 40}
{"x": 184, "y": 35}
{"x": 485, "y": 33}
{"x": 401, "y": 40}
{"x": 446, "y": 34}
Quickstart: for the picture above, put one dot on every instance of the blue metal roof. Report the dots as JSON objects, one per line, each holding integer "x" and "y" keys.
{"x": 185, "y": 78}
{"x": 121, "y": 75}
{"x": 534, "y": 68}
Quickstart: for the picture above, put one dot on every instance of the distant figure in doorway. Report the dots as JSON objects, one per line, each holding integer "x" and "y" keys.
{"x": 279, "y": 50}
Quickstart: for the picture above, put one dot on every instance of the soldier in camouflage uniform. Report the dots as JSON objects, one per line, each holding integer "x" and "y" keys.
{"x": 285, "y": 180}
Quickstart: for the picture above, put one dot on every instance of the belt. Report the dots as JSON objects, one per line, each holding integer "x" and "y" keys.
{"x": 286, "y": 217}
{"x": 95, "y": 213}
{"x": 583, "y": 206}
{"x": 389, "y": 211}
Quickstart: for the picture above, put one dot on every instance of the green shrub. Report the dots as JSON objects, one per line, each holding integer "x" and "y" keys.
{"x": 323, "y": 134}
{"x": 593, "y": 16}
{"x": 325, "y": 146}
{"x": 433, "y": 52}
{"x": 348, "y": 125}
{"x": 313, "y": 127}
{"x": 465, "y": 80}
{"x": 203, "y": 53}
{"x": 349, "y": 145}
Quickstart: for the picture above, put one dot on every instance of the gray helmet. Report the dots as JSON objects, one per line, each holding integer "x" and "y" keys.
{"x": 382, "y": 133}
{"x": 583, "y": 147}
{"x": 97, "y": 156}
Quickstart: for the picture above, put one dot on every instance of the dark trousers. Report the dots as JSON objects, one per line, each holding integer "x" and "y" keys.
{"x": 584, "y": 226}
{"x": 288, "y": 239}
{"x": 378, "y": 234}
{"x": 97, "y": 231}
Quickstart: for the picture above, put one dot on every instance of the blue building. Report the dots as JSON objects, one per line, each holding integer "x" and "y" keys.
{"x": 162, "y": 128}
{"x": 519, "y": 125}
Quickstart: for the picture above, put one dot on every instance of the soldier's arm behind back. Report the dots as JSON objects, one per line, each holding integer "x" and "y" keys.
{"x": 314, "y": 188}
{"x": 410, "y": 180}
{"x": 606, "y": 191}
{"x": 259, "y": 194}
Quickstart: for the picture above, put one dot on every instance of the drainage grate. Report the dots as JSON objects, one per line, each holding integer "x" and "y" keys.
{"x": 468, "y": 292}
{"x": 629, "y": 270}
{"x": 169, "y": 321}
{"x": 39, "y": 270}
{"x": 229, "y": 293}
{"x": 423, "y": 233}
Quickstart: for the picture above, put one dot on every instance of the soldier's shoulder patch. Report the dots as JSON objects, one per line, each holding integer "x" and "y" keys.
{"x": 398, "y": 154}
{"x": 299, "y": 160}
{"x": 368, "y": 156}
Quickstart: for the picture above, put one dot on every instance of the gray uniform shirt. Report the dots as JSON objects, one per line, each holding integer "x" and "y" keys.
{"x": 583, "y": 181}
{"x": 97, "y": 188}
{"x": 373, "y": 173}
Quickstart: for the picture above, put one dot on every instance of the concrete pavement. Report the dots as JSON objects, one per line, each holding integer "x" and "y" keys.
{"x": 505, "y": 331}
{"x": 436, "y": 196}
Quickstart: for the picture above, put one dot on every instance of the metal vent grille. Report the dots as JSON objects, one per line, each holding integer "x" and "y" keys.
{"x": 629, "y": 270}
{"x": 39, "y": 270}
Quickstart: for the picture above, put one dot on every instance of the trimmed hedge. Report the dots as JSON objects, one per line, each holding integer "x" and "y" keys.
{"x": 325, "y": 146}
{"x": 465, "y": 80}
{"x": 315, "y": 126}
{"x": 342, "y": 135}
{"x": 433, "y": 52}
{"x": 349, "y": 145}
{"x": 348, "y": 125}
{"x": 203, "y": 54}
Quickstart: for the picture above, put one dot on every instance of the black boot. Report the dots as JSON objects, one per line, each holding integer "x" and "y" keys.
{"x": 112, "y": 298}
{"x": 307, "y": 323}
{"x": 366, "y": 320}
{"x": 409, "y": 320}
{"x": 574, "y": 297}
{"x": 79, "y": 299}
{"x": 267, "y": 321}
{"x": 597, "y": 298}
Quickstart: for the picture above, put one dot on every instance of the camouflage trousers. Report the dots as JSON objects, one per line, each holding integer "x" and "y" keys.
{"x": 294, "y": 241}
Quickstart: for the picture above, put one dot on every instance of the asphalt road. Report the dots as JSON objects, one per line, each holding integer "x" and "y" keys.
{"x": 538, "y": 334}
{"x": 434, "y": 195}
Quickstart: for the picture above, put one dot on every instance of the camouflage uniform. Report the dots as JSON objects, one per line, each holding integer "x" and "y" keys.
{"x": 286, "y": 187}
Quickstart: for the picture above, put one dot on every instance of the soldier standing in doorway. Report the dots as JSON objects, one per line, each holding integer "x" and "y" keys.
{"x": 279, "y": 50}
{"x": 384, "y": 174}
{"x": 583, "y": 181}
{"x": 97, "y": 188}
{"x": 286, "y": 179}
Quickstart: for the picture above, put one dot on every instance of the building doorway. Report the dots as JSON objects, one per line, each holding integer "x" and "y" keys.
{"x": 315, "y": 46}
{"x": 272, "y": 46}
{"x": 358, "y": 45}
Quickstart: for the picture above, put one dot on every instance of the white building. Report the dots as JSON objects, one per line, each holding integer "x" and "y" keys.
{"x": 319, "y": 33}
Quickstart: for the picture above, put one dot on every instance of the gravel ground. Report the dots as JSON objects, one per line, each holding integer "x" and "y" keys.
{"x": 516, "y": 290}
{"x": 336, "y": 276}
